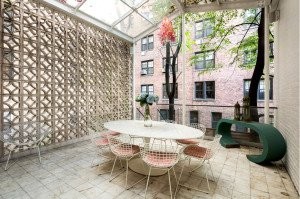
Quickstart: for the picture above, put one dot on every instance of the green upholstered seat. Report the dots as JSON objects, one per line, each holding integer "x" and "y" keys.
{"x": 274, "y": 145}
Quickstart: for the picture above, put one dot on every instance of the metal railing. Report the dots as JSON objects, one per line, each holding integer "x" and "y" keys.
{"x": 204, "y": 114}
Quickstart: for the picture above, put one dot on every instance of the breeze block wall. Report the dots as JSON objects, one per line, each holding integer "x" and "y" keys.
{"x": 59, "y": 70}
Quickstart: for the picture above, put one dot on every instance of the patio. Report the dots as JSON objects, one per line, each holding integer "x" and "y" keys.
{"x": 62, "y": 67}
{"x": 66, "y": 173}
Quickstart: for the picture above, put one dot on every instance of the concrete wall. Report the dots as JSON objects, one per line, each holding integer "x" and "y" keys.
{"x": 287, "y": 81}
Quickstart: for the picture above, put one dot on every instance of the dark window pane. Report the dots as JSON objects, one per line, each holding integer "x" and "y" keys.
{"x": 193, "y": 116}
{"x": 216, "y": 116}
{"x": 165, "y": 96}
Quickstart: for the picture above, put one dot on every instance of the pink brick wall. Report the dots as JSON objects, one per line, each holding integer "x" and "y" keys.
{"x": 228, "y": 80}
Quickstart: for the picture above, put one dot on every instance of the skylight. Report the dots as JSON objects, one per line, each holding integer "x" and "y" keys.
{"x": 131, "y": 19}
{"x": 107, "y": 11}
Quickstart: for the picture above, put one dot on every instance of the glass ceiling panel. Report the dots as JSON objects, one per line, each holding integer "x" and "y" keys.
{"x": 133, "y": 3}
{"x": 107, "y": 11}
{"x": 133, "y": 25}
{"x": 146, "y": 11}
{"x": 72, "y": 3}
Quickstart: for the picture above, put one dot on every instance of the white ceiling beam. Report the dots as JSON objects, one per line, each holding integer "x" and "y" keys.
{"x": 129, "y": 12}
{"x": 82, "y": 16}
{"x": 226, "y": 5}
{"x": 155, "y": 27}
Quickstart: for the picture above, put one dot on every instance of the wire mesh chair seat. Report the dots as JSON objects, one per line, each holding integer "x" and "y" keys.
{"x": 123, "y": 148}
{"x": 185, "y": 142}
{"x": 203, "y": 154}
{"x": 109, "y": 133}
{"x": 102, "y": 149}
{"x": 162, "y": 157}
{"x": 24, "y": 136}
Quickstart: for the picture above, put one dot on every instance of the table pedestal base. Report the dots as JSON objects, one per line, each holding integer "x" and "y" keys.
{"x": 137, "y": 165}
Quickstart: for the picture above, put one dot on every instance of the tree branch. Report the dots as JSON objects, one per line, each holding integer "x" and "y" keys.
{"x": 232, "y": 28}
{"x": 240, "y": 43}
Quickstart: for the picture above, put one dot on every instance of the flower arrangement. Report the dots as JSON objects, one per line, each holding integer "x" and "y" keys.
{"x": 146, "y": 99}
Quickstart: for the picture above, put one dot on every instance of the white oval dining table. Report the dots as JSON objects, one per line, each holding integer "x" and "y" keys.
{"x": 159, "y": 130}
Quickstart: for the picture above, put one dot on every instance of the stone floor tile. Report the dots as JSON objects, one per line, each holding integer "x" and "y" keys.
{"x": 257, "y": 194}
{"x": 66, "y": 173}
{"x": 73, "y": 194}
{"x": 239, "y": 195}
{"x": 16, "y": 194}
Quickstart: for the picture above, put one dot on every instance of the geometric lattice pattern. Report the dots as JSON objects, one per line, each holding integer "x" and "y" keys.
{"x": 60, "y": 71}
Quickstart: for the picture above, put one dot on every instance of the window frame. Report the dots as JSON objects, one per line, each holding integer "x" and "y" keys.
{"x": 215, "y": 122}
{"x": 196, "y": 113}
{"x": 204, "y": 90}
{"x": 163, "y": 64}
{"x": 205, "y": 60}
{"x": 147, "y": 88}
{"x": 204, "y": 28}
{"x": 164, "y": 88}
{"x": 259, "y": 89}
{"x": 147, "y": 46}
{"x": 147, "y": 68}
{"x": 166, "y": 112}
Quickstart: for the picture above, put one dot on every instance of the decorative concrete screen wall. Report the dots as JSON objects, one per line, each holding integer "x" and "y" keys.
{"x": 60, "y": 71}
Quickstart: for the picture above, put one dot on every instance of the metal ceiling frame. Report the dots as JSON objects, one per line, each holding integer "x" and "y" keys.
{"x": 77, "y": 13}
{"x": 181, "y": 8}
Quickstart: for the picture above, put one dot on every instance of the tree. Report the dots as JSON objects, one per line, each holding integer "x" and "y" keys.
{"x": 252, "y": 40}
{"x": 167, "y": 35}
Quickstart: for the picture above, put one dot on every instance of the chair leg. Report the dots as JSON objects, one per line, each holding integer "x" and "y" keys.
{"x": 207, "y": 181}
{"x": 7, "y": 161}
{"x": 126, "y": 173}
{"x": 170, "y": 184}
{"x": 39, "y": 153}
{"x": 212, "y": 174}
{"x": 147, "y": 181}
{"x": 112, "y": 170}
{"x": 179, "y": 178}
{"x": 174, "y": 174}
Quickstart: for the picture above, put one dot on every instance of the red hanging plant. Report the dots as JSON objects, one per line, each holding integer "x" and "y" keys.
{"x": 166, "y": 31}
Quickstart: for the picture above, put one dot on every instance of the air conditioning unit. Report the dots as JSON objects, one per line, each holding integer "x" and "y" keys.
{"x": 143, "y": 53}
{"x": 143, "y": 72}
{"x": 163, "y": 69}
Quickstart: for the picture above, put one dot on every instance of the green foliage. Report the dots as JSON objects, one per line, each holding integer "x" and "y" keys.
{"x": 162, "y": 8}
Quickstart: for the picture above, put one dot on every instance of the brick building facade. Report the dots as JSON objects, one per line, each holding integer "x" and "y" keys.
{"x": 209, "y": 95}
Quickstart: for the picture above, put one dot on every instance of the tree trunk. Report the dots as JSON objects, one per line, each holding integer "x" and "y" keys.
{"x": 259, "y": 68}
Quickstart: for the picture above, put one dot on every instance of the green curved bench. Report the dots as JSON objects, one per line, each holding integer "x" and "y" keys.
{"x": 274, "y": 145}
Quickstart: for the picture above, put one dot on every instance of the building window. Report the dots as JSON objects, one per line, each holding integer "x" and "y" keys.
{"x": 215, "y": 117}
{"x": 165, "y": 96}
{"x": 205, "y": 60}
{"x": 147, "y": 43}
{"x": 147, "y": 88}
{"x": 260, "y": 89}
{"x": 164, "y": 114}
{"x": 205, "y": 90}
{"x": 194, "y": 117}
{"x": 249, "y": 57}
{"x": 164, "y": 64}
{"x": 147, "y": 67}
{"x": 203, "y": 28}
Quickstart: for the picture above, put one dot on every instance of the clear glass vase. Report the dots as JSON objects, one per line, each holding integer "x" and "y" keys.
{"x": 147, "y": 117}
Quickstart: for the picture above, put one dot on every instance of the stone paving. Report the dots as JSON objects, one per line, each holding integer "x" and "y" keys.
{"x": 66, "y": 172}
